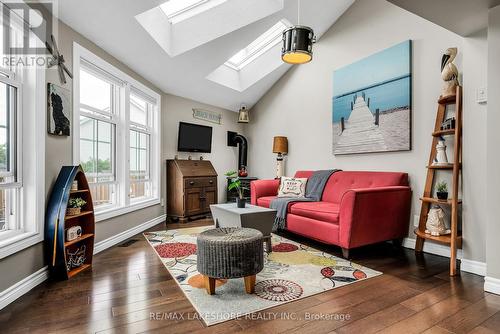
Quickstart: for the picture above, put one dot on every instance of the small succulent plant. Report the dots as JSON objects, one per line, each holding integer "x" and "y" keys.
{"x": 442, "y": 187}
{"x": 76, "y": 202}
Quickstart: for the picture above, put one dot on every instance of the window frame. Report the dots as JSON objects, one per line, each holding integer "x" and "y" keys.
{"x": 258, "y": 46}
{"x": 30, "y": 150}
{"x": 145, "y": 129}
{"x": 124, "y": 204}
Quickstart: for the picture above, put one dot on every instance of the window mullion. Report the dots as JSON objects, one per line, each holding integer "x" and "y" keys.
{"x": 125, "y": 149}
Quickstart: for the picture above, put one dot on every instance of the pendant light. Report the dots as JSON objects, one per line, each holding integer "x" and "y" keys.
{"x": 243, "y": 114}
{"x": 297, "y": 43}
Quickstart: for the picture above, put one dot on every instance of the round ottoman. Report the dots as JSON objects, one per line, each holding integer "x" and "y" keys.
{"x": 230, "y": 253}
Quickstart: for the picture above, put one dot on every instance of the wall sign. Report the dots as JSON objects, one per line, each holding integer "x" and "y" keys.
{"x": 207, "y": 115}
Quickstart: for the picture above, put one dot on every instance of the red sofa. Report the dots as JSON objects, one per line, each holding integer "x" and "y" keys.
{"x": 357, "y": 208}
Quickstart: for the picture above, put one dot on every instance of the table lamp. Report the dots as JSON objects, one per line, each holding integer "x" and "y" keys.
{"x": 280, "y": 146}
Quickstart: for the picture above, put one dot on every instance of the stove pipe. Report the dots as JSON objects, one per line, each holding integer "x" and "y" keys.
{"x": 234, "y": 139}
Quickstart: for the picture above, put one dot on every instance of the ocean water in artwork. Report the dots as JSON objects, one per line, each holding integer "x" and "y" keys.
{"x": 371, "y": 105}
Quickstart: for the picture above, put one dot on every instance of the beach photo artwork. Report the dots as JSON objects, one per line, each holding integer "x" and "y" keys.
{"x": 371, "y": 107}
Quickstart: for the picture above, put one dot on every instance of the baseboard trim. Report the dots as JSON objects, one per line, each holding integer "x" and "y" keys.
{"x": 473, "y": 267}
{"x": 431, "y": 248}
{"x": 492, "y": 285}
{"x": 22, "y": 287}
{"x": 469, "y": 266}
{"x": 120, "y": 237}
{"x": 25, "y": 285}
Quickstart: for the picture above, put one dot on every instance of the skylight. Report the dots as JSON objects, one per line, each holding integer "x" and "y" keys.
{"x": 255, "y": 49}
{"x": 175, "y": 8}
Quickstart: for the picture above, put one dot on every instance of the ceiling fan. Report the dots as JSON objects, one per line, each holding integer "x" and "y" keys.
{"x": 57, "y": 59}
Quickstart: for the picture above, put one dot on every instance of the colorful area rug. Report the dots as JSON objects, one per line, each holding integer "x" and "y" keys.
{"x": 291, "y": 272}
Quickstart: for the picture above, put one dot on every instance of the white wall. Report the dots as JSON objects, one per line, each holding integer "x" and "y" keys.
{"x": 224, "y": 158}
{"x": 475, "y": 69}
{"x": 299, "y": 105}
{"x": 493, "y": 156}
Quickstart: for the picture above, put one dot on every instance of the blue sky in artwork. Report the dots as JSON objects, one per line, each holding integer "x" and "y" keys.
{"x": 384, "y": 65}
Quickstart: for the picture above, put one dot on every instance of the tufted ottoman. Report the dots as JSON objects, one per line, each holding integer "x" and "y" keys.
{"x": 230, "y": 253}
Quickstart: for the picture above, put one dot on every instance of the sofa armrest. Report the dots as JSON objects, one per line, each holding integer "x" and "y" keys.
{"x": 261, "y": 188}
{"x": 373, "y": 215}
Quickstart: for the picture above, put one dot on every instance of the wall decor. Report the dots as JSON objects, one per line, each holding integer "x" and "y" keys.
{"x": 243, "y": 114}
{"x": 207, "y": 115}
{"x": 371, "y": 105}
{"x": 58, "y": 110}
{"x": 57, "y": 60}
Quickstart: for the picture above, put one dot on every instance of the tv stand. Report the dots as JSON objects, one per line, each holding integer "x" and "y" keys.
{"x": 191, "y": 188}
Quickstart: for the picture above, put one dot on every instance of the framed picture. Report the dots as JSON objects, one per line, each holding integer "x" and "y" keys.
{"x": 58, "y": 110}
{"x": 371, "y": 107}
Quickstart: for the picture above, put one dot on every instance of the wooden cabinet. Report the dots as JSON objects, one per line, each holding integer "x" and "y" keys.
{"x": 191, "y": 188}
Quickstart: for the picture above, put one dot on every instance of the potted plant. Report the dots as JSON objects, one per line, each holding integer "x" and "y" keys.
{"x": 442, "y": 190}
{"x": 235, "y": 183}
{"x": 75, "y": 206}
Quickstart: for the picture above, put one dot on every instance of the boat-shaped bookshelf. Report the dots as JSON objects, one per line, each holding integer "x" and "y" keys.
{"x": 67, "y": 258}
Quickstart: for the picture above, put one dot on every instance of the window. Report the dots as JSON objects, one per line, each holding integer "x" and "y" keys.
{"x": 263, "y": 43}
{"x": 99, "y": 103}
{"x": 22, "y": 139}
{"x": 140, "y": 137}
{"x": 9, "y": 187}
{"x": 117, "y": 141}
{"x": 179, "y": 9}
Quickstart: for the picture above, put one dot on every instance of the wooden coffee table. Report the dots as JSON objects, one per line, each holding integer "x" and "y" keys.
{"x": 251, "y": 216}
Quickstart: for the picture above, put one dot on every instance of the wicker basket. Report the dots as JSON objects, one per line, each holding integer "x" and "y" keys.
{"x": 73, "y": 211}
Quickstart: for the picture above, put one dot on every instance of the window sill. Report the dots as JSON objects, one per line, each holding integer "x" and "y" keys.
{"x": 115, "y": 212}
{"x": 13, "y": 242}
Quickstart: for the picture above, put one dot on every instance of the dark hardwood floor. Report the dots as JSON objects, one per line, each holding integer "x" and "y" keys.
{"x": 129, "y": 286}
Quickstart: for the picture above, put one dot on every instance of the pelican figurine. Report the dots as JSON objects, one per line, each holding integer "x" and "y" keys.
{"x": 449, "y": 72}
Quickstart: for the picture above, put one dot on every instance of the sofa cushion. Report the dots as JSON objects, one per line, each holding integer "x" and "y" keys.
{"x": 324, "y": 211}
{"x": 265, "y": 201}
{"x": 342, "y": 181}
{"x": 292, "y": 187}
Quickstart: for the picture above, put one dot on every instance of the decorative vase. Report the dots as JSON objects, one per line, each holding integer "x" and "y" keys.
{"x": 73, "y": 211}
{"x": 443, "y": 195}
{"x": 240, "y": 202}
{"x": 243, "y": 172}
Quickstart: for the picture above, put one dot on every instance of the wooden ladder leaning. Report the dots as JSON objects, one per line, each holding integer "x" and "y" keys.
{"x": 454, "y": 240}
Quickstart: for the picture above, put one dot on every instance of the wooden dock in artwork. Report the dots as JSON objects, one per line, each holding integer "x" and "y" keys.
{"x": 361, "y": 132}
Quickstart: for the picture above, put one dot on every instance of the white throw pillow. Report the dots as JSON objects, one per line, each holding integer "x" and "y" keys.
{"x": 292, "y": 187}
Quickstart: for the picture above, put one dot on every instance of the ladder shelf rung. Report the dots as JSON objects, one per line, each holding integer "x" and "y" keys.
{"x": 444, "y": 239}
{"x": 444, "y": 166}
{"x": 440, "y": 133}
{"x": 439, "y": 201}
{"x": 452, "y": 99}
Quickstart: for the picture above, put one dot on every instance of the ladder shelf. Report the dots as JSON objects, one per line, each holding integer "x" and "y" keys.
{"x": 454, "y": 239}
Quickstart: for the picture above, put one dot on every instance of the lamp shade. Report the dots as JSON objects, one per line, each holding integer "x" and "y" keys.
{"x": 297, "y": 45}
{"x": 280, "y": 145}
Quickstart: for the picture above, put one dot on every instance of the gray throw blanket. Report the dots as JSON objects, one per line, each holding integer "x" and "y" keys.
{"x": 314, "y": 191}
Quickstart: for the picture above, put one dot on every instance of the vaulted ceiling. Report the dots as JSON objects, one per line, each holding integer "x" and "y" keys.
{"x": 187, "y": 67}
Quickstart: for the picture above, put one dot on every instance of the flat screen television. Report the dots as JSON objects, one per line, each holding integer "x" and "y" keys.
{"x": 194, "y": 138}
